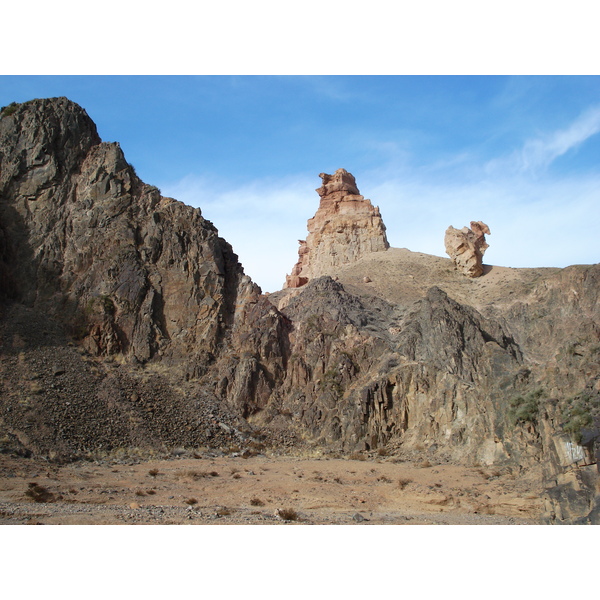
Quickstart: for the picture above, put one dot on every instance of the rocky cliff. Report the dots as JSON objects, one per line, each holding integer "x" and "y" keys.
{"x": 125, "y": 321}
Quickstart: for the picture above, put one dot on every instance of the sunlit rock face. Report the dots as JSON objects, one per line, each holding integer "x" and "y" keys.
{"x": 466, "y": 247}
{"x": 345, "y": 227}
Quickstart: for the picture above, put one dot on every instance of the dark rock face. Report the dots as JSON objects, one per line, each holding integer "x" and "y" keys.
{"x": 95, "y": 256}
{"x": 126, "y": 321}
{"x": 130, "y": 271}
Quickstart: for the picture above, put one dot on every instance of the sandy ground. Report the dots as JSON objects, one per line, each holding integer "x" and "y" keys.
{"x": 401, "y": 277}
{"x": 263, "y": 490}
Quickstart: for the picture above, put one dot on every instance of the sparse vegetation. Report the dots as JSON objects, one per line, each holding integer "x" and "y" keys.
{"x": 6, "y": 111}
{"x": 403, "y": 482}
{"x": 357, "y": 456}
{"x": 579, "y": 413}
{"x": 191, "y": 501}
{"x": 153, "y": 472}
{"x": 39, "y": 493}
{"x": 525, "y": 408}
{"x": 256, "y": 502}
{"x": 288, "y": 514}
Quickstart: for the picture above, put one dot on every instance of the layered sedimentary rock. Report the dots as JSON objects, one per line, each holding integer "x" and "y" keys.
{"x": 466, "y": 247}
{"x": 345, "y": 227}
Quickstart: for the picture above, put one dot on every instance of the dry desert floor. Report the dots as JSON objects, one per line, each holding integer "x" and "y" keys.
{"x": 225, "y": 489}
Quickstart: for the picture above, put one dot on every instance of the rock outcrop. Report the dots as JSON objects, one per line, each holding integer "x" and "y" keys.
{"x": 345, "y": 227}
{"x": 129, "y": 271}
{"x": 466, "y": 247}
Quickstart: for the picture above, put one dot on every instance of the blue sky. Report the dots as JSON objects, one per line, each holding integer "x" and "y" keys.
{"x": 519, "y": 153}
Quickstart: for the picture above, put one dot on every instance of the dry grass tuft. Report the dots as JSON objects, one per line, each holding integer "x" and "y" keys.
{"x": 256, "y": 502}
{"x": 403, "y": 482}
{"x": 288, "y": 514}
{"x": 39, "y": 493}
{"x": 357, "y": 456}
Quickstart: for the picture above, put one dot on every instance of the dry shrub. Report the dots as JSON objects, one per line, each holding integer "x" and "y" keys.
{"x": 382, "y": 451}
{"x": 288, "y": 514}
{"x": 425, "y": 464}
{"x": 236, "y": 476}
{"x": 256, "y": 502}
{"x": 357, "y": 456}
{"x": 39, "y": 493}
{"x": 403, "y": 482}
{"x": 223, "y": 512}
{"x": 140, "y": 493}
{"x": 153, "y": 472}
{"x": 384, "y": 479}
{"x": 191, "y": 501}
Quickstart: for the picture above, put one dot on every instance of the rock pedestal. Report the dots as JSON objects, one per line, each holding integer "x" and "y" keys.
{"x": 345, "y": 227}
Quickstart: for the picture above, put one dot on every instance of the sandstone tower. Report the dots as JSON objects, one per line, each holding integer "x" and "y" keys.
{"x": 345, "y": 227}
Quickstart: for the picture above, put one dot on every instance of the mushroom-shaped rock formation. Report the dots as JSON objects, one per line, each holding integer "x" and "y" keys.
{"x": 466, "y": 247}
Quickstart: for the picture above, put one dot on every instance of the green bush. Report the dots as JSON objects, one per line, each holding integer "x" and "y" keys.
{"x": 579, "y": 412}
{"x": 6, "y": 111}
{"x": 525, "y": 409}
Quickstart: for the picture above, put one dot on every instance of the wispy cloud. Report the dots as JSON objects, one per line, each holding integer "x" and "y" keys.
{"x": 538, "y": 154}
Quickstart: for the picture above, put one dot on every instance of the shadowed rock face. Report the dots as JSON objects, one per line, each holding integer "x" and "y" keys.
{"x": 126, "y": 321}
{"x": 344, "y": 228}
{"x": 128, "y": 270}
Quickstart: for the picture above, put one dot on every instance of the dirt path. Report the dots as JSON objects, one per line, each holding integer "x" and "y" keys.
{"x": 262, "y": 490}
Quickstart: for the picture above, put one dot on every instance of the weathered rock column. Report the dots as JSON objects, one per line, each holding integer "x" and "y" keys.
{"x": 345, "y": 227}
{"x": 466, "y": 247}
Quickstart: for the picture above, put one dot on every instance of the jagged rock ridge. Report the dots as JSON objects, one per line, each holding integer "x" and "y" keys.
{"x": 345, "y": 227}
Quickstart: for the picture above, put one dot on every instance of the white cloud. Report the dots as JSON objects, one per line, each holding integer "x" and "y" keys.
{"x": 537, "y": 154}
{"x": 536, "y": 218}
{"x": 533, "y": 224}
{"x": 262, "y": 219}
